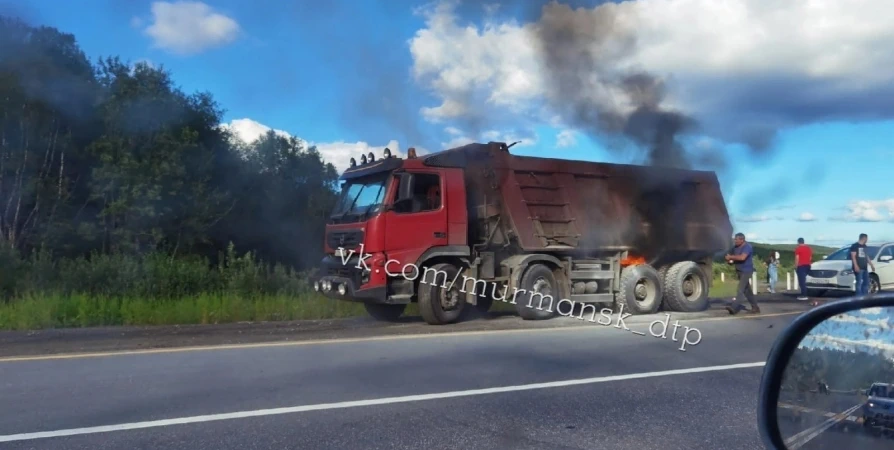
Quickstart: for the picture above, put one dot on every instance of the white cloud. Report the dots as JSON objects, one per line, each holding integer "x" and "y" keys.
{"x": 338, "y": 153}
{"x": 869, "y": 211}
{"x": 187, "y": 27}
{"x": 458, "y": 138}
{"x": 880, "y": 323}
{"x": 884, "y": 347}
{"x": 249, "y": 130}
{"x": 566, "y": 138}
{"x": 806, "y": 217}
{"x": 719, "y": 56}
{"x": 751, "y": 236}
{"x": 757, "y": 218}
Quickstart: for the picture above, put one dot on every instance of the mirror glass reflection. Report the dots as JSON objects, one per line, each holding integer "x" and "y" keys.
{"x": 838, "y": 388}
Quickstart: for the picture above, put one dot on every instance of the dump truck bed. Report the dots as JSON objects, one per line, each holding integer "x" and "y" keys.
{"x": 555, "y": 204}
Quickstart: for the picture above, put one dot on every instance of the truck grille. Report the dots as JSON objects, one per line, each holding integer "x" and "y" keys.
{"x": 823, "y": 273}
{"x": 348, "y": 239}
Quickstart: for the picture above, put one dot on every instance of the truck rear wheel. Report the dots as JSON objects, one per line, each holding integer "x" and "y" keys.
{"x": 686, "y": 287}
{"x": 640, "y": 289}
{"x": 439, "y": 302}
{"x": 385, "y": 313}
{"x": 538, "y": 279}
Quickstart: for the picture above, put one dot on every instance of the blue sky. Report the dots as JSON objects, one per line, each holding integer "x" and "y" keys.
{"x": 868, "y": 330}
{"x": 355, "y": 76}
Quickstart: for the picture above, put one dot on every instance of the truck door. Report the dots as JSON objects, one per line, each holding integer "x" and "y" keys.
{"x": 418, "y": 222}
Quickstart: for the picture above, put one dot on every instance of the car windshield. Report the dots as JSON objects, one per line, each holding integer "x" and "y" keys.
{"x": 844, "y": 254}
{"x": 360, "y": 196}
{"x": 878, "y": 391}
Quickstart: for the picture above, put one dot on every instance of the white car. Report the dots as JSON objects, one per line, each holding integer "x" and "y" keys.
{"x": 834, "y": 272}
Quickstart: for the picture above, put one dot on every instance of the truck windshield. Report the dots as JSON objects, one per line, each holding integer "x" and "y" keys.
{"x": 359, "y": 197}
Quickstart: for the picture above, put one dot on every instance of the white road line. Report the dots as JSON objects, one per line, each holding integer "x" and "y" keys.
{"x": 797, "y": 441}
{"x": 371, "y": 402}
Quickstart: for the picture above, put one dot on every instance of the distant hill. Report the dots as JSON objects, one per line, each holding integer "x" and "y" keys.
{"x": 791, "y": 247}
{"x": 786, "y": 255}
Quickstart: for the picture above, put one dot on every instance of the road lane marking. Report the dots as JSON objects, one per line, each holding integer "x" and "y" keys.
{"x": 354, "y": 340}
{"x": 371, "y": 402}
{"x": 827, "y": 414}
{"x": 799, "y": 440}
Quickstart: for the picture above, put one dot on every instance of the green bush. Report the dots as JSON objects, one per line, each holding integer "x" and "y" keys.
{"x": 155, "y": 289}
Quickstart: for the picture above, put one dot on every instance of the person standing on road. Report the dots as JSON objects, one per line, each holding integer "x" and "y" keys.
{"x": 742, "y": 257}
{"x": 772, "y": 272}
{"x": 803, "y": 259}
{"x": 861, "y": 263}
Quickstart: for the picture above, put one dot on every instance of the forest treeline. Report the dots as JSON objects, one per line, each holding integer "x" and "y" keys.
{"x": 112, "y": 158}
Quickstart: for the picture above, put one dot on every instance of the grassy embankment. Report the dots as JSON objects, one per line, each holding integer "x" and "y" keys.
{"x": 156, "y": 290}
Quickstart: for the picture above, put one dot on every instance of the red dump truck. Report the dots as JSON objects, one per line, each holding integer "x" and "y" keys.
{"x": 459, "y": 229}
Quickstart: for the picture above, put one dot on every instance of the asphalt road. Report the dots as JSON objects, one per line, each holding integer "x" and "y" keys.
{"x": 830, "y": 422}
{"x": 407, "y": 391}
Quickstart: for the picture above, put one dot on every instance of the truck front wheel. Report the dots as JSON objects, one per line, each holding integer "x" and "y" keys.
{"x": 640, "y": 290}
{"x": 384, "y": 313}
{"x": 539, "y": 294}
{"x": 441, "y": 301}
{"x": 686, "y": 287}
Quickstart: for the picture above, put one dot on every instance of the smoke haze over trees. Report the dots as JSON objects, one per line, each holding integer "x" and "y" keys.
{"x": 111, "y": 157}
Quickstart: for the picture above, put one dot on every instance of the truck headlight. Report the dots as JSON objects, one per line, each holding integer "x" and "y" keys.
{"x": 342, "y": 290}
{"x": 317, "y": 286}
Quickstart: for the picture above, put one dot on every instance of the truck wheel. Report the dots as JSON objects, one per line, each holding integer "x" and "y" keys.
{"x": 439, "y": 302}
{"x": 662, "y": 275}
{"x": 538, "y": 279}
{"x": 640, "y": 290}
{"x": 686, "y": 288}
{"x": 385, "y": 313}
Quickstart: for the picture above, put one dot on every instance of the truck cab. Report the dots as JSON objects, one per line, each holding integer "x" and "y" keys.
{"x": 392, "y": 216}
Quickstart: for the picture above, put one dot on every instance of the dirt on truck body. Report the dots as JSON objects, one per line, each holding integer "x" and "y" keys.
{"x": 531, "y": 231}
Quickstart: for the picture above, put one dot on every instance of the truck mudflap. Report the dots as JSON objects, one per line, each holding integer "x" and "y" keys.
{"x": 344, "y": 281}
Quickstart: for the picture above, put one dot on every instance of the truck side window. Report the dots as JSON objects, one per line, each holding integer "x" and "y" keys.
{"x": 887, "y": 251}
{"x": 426, "y": 195}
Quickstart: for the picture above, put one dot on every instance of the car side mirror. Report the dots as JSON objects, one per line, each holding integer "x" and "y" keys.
{"x": 885, "y": 258}
{"x": 844, "y": 347}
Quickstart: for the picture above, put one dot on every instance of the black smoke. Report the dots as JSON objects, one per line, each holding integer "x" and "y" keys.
{"x": 581, "y": 51}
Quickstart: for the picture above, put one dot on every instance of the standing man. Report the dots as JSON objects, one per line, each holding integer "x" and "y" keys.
{"x": 861, "y": 262}
{"x": 742, "y": 257}
{"x": 803, "y": 259}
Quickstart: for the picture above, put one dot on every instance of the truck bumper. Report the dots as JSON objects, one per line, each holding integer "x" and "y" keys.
{"x": 345, "y": 282}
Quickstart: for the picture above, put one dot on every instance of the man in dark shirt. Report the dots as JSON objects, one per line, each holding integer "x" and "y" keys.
{"x": 861, "y": 262}
{"x": 742, "y": 257}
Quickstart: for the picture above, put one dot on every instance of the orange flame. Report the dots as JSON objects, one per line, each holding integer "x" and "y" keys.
{"x": 633, "y": 261}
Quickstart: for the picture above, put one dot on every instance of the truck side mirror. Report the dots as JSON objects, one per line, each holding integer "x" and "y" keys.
{"x": 405, "y": 188}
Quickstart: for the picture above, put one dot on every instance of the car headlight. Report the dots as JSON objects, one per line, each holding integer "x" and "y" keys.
{"x": 847, "y": 272}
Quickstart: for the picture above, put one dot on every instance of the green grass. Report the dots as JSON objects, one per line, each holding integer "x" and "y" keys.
{"x": 43, "y": 311}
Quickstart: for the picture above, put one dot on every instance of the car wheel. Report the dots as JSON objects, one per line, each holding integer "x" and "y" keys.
{"x": 874, "y": 285}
